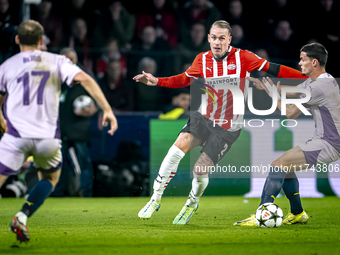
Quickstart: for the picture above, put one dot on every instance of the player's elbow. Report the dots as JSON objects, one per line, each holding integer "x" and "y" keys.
{"x": 292, "y": 115}
{"x": 82, "y": 77}
{"x": 292, "y": 111}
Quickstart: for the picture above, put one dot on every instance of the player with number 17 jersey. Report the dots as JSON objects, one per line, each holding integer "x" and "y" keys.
{"x": 32, "y": 81}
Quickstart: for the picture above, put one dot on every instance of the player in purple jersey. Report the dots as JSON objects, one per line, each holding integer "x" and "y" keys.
{"x": 30, "y": 84}
{"x": 323, "y": 148}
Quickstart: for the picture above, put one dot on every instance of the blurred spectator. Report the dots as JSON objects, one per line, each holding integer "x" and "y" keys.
{"x": 282, "y": 46}
{"x": 117, "y": 90}
{"x": 161, "y": 16}
{"x": 188, "y": 50}
{"x": 149, "y": 45}
{"x": 278, "y": 11}
{"x": 77, "y": 173}
{"x": 80, "y": 41}
{"x": 119, "y": 23}
{"x": 81, "y": 9}
{"x": 53, "y": 26}
{"x": 71, "y": 54}
{"x": 179, "y": 107}
{"x": 148, "y": 98}
{"x": 110, "y": 52}
{"x": 197, "y": 11}
{"x": 239, "y": 39}
{"x": 328, "y": 33}
{"x": 235, "y": 12}
{"x": 8, "y": 29}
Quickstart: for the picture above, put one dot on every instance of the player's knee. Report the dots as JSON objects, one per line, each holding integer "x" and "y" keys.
{"x": 201, "y": 170}
{"x": 279, "y": 163}
{"x": 183, "y": 142}
{"x": 52, "y": 177}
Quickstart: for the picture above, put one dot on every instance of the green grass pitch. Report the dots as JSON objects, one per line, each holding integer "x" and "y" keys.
{"x": 111, "y": 226}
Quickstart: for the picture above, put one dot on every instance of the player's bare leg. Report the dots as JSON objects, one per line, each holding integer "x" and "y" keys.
{"x": 3, "y": 178}
{"x": 292, "y": 157}
{"x": 199, "y": 184}
{"x": 43, "y": 189}
{"x": 184, "y": 143}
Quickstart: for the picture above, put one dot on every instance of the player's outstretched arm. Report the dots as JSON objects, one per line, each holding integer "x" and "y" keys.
{"x": 146, "y": 78}
{"x": 94, "y": 90}
{"x": 292, "y": 111}
{"x": 260, "y": 86}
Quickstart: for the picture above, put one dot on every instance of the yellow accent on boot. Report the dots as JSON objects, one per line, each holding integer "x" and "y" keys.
{"x": 151, "y": 207}
{"x": 249, "y": 222}
{"x": 301, "y": 218}
{"x": 184, "y": 215}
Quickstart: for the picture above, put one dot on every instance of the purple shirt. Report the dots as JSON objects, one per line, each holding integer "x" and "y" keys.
{"x": 325, "y": 107}
{"x": 32, "y": 81}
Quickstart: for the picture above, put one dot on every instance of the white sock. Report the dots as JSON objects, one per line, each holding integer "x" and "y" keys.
{"x": 167, "y": 171}
{"x": 199, "y": 183}
{"x": 22, "y": 217}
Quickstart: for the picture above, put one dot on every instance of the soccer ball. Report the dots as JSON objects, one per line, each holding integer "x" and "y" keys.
{"x": 82, "y": 102}
{"x": 269, "y": 215}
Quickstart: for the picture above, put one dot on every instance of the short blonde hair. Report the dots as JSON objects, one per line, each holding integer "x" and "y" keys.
{"x": 221, "y": 24}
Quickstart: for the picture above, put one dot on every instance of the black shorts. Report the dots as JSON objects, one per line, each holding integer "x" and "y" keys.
{"x": 216, "y": 141}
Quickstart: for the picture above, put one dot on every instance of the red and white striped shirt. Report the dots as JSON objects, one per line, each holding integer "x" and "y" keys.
{"x": 232, "y": 70}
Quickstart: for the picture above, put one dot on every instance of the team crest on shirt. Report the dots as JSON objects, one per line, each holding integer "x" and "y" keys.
{"x": 231, "y": 66}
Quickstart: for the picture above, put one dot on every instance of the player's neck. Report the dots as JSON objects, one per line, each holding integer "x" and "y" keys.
{"x": 29, "y": 47}
{"x": 317, "y": 73}
{"x": 222, "y": 56}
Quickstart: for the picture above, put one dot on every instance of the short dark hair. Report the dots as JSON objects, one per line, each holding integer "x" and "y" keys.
{"x": 317, "y": 51}
{"x": 30, "y": 32}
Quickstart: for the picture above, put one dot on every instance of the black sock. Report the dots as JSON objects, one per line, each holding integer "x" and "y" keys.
{"x": 37, "y": 196}
{"x": 273, "y": 185}
{"x": 291, "y": 189}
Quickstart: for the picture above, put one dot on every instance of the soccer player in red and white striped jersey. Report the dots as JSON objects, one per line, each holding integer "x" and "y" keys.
{"x": 222, "y": 62}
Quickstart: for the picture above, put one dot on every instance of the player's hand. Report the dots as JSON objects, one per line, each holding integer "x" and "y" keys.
{"x": 258, "y": 84}
{"x": 267, "y": 80}
{"x": 108, "y": 116}
{"x": 3, "y": 125}
{"x": 146, "y": 78}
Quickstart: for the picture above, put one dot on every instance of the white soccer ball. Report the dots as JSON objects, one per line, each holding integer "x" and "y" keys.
{"x": 82, "y": 102}
{"x": 269, "y": 215}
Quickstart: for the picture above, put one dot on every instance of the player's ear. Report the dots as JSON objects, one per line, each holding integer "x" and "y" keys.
{"x": 230, "y": 39}
{"x": 41, "y": 41}
{"x": 209, "y": 38}
{"x": 17, "y": 39}
{"x": 315, "y": 62}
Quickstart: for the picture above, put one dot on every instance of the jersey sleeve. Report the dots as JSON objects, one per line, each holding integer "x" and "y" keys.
{"x": 195, "y": 70}
{"x": 177, "y": 81}
{"x": 304, "y": 84}
{"x": 254, "y": 62}
{"x": 67, "y": 70}
{"x": 317, "y": 96}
